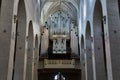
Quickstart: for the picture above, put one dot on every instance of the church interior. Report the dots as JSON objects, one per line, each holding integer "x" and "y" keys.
{"x": 59, "y": 39}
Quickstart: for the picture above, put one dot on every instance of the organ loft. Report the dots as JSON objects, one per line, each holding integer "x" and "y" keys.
{"x": 59, "y": 39}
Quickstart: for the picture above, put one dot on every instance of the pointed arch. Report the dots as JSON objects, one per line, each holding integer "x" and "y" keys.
{"x": 20, "y": 50}
{"x": 89, "y": 52}
{"x": 88, "y": 30}
{"x": 36, "y": 47}
{"x": 99, "y": 42}
{"x": 36, "y": 59}
{"x": 82, "y": 58}
{"x": 82, "y": 42}
{"x": 30, "y": 53}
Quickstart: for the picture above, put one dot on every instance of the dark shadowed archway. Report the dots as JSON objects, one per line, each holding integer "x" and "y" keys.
{"x": 36, "y": 58}
{"x": 36, "y": 48}
{"x": 20, "y": 51}
{"x": 30, "y": 53}
{"x": 82, "y": 59}
{"x": 99, "y": 42}
{"x": 89, "y": 52}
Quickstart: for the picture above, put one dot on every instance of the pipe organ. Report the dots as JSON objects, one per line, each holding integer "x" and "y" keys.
{"x": 59, "y": 26}
{"x": 62, "y": 37}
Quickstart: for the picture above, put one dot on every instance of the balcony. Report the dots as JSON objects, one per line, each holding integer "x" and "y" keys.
{"x": 59, "y": 63}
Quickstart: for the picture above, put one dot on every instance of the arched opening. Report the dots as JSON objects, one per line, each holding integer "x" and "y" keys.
{"x": 99, "y": 42}
{"x": 36, "y": 48}
{"x": 89, "y": 52}
{"x": 36, "y": 58}
{"x": 82, "y": 45}
{"x": 20, "y": 43}
{"x": 15, "y": 47}
{"x": 30, "y": 53}
{"x": 82, "y": 59}
{"x": 119, "y": 6}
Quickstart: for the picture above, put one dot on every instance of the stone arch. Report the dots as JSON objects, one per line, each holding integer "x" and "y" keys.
{"x": 82, "y": 48}
{"x": 82, "y": 42}
{"x": 36, "y": 47}
{"x": 20, "y": 50}
{"x": 82, "y": 59}
{"x": 30, "y": 53}
{"x": 89, "y": 52}
{"x": 36, "y": 57}
{"x": 99, "y": 41}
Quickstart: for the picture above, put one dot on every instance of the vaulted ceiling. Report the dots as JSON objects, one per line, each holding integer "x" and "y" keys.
{"x": 49, "y": 7}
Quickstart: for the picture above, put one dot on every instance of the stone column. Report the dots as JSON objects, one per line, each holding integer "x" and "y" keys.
{"x": 36, "y": 58}
{"x": 113, "y": 36}
{"x": 7, "y": 40}
{"x": 30, "y": 62}
{"x": 82, "y": 59}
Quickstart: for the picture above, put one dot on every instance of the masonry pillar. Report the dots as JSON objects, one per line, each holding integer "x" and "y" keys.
{"x": 114, "y": 36}
{"x": 36, "y": 58}
{"x": 30, "y": 54}
{"x": 89, "y": 61}
{"x": 7, "y": 39}
{"x": 82, "y": 60}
